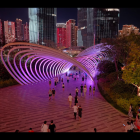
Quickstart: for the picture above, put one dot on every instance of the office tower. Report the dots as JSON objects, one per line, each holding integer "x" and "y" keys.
{"x": 97, "y": 23}
{"x": 42, "y": 25}
{"x": 1, "y": 33}
{"x": 127, "y": 29}
{"x": 9, "y": 31}
{"x": 70, "y": 33}
{"x": 18, "y": 29}
{"x": 61, "y": 34}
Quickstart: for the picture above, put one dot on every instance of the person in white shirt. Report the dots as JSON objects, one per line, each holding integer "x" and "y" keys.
{"x": 45, "y": 127}
{"x": 75, "y": 110}
{"x": 70, "y": 98}
{"x": 132, "y": 127}
{"x": 76, "y": 90}
{"x": 127, "y": 127}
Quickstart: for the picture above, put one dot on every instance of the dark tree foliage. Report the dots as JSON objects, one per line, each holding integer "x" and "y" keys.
{"x": 106, "y": 66}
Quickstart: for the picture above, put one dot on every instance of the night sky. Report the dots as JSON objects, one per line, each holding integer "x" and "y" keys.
{"x": 127, "y": 15}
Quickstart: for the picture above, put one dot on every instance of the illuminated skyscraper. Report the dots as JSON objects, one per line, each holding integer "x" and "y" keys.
{"x": 9, "y": 31}
{"x": 70, "y": 33}
{"x": 42, "y": 25}
{"x": 61, "y": 34}
{"x": 97, "y": 23}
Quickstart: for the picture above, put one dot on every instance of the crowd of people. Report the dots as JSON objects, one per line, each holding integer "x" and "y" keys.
{"x": 77, "y": 109}
{"x": 133, "y": 125}
{"x": 44, "y": 128}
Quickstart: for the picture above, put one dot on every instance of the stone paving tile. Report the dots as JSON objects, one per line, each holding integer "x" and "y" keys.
{"x": 28, "y": 106}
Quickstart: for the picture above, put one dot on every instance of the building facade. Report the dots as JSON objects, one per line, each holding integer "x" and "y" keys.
{"x": 2, "y": 40}
{"x": 61, "y": 34}
{"x": 9, "y": 31}
{"x": 97, "y": 23}
{"x": 18, "y": 30}
{"x": 42, "y": 25}
{"x": 70, "y": 33}
{"x": 127, "y": 29}
{"x": 26, "y": 32}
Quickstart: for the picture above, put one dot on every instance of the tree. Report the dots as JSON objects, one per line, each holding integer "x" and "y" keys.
{"x": 106, "y": 66}
{"x": 131, "y": 73}
{"x": 119, "y": 48}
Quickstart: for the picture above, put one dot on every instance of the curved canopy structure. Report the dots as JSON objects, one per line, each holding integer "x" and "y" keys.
{"x": 32, "y": 62}
{"x": 91, "y": 57}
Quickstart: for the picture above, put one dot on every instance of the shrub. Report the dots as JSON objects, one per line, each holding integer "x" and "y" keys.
{"x": 112, "y": 76}
{"x": 7, "y": 83}
{"x": 101, "y": 75}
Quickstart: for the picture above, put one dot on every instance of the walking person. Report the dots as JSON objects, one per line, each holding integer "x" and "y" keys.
{"x": 44, "y": 127}
{"x": 70, "y": 98}
{"x": 89, "y": 89}
{"x": 79, "y": 72}
{"x": 62, "y": 80}
{"x": 130, "y": 112}
{"x": 81, "y": 89}
{"x": 50, "y": 83}
{"x": 80, "y": 112}
{"x": 76, "y": 99}
{"x": 67, "y": 79}
{"x": 85, "y": 90}
{"x": 55, "y": 83}
{"x": 30, "y": 130}
{"x": 53, "y": 93}
{"x": 75, "y": 110}
{"x": 63, "y": 86}
{"x": 83, "y": 79}
{"x": 50, "y": 93}
{"x": 77, "y": 76}
{"x": 93, "y": 90}
{"x": 76, "y": 90}
{"x": 52, "y": 127}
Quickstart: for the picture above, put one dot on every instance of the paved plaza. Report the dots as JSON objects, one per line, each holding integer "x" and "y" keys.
{"x": 28, "y": 106}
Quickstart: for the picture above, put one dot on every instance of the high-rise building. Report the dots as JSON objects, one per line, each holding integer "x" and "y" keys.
{"x": 64, "y": 35}
{"x": 70, "y": 33}
{"x": 127, "y": 29}
{"x": 97, "y": 23}
{"x": 76, "y": 29}
{"x": 61, "y": 34}
{"x": 9, "y": 31}
{"x": 42, "y": 25}
{"x": 18, "y": 29}
{"x": 26, "y": 32}
{"x": 23, "y": 31}
{"x": 1, "y": 33}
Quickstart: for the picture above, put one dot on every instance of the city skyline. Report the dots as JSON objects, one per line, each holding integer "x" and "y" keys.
{"x": 127, "y": 15}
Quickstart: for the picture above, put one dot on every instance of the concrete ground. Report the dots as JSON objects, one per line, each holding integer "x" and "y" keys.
{"x": 28, "y": 106}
